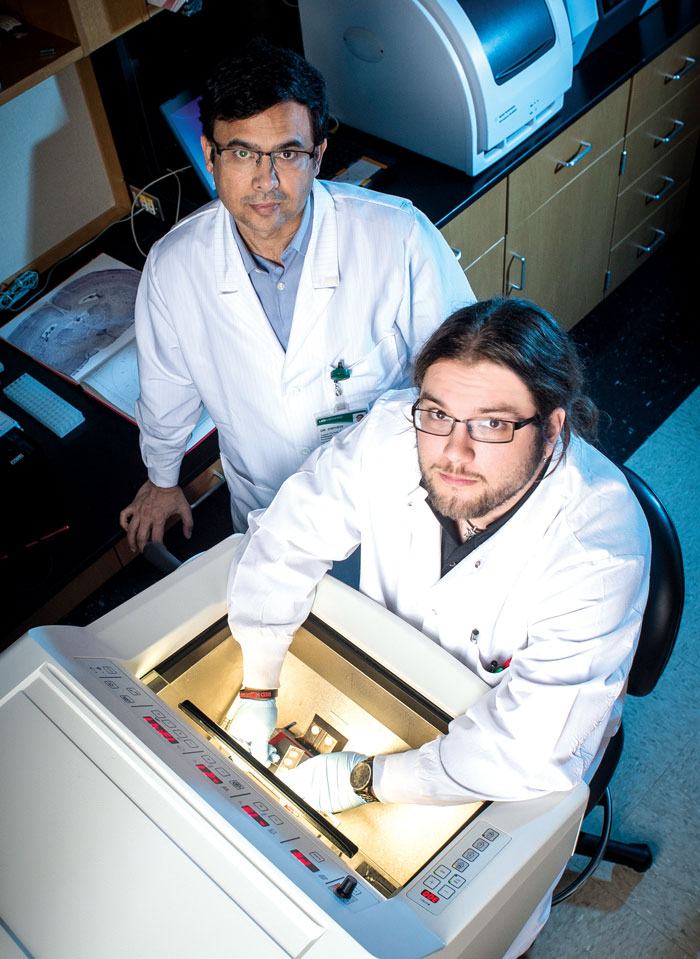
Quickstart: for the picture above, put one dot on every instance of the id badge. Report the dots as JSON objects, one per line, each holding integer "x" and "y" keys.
{"x": 331, "y": 423}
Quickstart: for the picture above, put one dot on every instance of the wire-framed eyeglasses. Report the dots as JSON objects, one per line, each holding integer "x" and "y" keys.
{"x": 241, "y": 158}
{"x": 487, "y": 429}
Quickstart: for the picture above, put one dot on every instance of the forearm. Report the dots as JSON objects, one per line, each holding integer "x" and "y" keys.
{"x": 288, "y": 548}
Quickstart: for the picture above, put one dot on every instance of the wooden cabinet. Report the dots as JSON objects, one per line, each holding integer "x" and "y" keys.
{"x": 561, "y": 208}
{"x": 670, "y": 72}
{"x": 659, "y": 152}
{"x": 50, "y": 101}
{"x": 477, "y": 236}
{"x": 59, "y": 32}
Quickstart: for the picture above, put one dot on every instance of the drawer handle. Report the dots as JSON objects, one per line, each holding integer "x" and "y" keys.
{"x": 668, "y": 183}
{"x": 677, "y": 127}
{"x": 641, "y": 250}
{"x": 583, "y": 149}
{"x": 457, "y": 253}
{"x": 689, "y": 64}
{"x": 514, "y": 286}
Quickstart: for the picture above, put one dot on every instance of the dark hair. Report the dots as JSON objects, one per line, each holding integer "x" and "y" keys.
{"x": 523, "y": 338}
{"x": 258, "y": 77}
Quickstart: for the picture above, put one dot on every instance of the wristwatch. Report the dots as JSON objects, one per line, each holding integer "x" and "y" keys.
{"x": 361, "y": 779}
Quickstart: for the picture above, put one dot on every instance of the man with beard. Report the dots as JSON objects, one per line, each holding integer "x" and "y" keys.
{"x": 489, "y": 522}
{"x": 286, "y": 306}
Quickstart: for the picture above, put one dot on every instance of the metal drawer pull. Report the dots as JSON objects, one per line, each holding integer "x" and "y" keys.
{"x": 583, "y": 149}
{"x": 457, "y": 253}
{"x": 668, "y": 183}
{"x": 641, "y": 250}
{"x": 512, "y": 286}
{"x": 677, "y": 127}
{"x": 689, "y": 64}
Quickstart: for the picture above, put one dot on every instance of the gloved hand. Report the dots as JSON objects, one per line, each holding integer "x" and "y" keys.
{"x": 324, "y": 781}
{"x": 252, "y": 723}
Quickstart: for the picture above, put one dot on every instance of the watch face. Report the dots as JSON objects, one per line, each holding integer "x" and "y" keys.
{"x": 361, "y": 775}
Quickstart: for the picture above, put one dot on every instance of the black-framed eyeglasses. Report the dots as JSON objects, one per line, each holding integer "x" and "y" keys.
{"x": 486, "y": 429}
{"x": 241, "y": 158}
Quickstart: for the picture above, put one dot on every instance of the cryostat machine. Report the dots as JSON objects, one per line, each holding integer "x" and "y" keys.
{"x": 133, "y": 824}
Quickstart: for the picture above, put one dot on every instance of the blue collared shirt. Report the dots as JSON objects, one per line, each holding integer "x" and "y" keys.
{"x": 275, "y": 285}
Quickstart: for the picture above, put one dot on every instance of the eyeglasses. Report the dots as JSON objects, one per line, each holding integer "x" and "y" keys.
{"x": 243, "y": 159}
{"x": 486, "y": 430}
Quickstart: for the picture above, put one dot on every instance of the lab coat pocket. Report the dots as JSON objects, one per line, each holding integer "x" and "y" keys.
{"x": 379, "y": 370}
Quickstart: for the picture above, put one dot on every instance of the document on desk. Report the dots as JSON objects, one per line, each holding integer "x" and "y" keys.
{"x": 84, "y": 331}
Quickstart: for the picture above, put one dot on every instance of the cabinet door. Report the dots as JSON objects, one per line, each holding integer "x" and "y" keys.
{"x": 566, "y": 157}
{"x": 485, "y": 275}
{"x": 558, "y": 256}
{"x": 475, "y": 231}
{"x": 664, "y": 77}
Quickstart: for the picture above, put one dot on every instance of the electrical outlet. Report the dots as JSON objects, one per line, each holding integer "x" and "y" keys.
{"x": 147, "y": 202}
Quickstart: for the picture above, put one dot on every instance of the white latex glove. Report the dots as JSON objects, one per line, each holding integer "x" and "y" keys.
{"x": 252, "y": 725}
{"x": 324, "y": 781}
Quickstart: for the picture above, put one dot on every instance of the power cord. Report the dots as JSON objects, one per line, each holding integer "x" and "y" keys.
{"x": 14, "y": 309}
{"x": 147, "y": 187}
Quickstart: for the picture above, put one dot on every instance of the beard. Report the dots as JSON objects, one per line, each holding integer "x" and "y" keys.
{"x": 459, "y": 505}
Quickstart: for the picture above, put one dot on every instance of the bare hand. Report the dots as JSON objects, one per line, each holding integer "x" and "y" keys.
{"x": 144, "y": 520}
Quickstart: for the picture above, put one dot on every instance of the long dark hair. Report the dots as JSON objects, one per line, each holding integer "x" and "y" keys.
{"x": 258, "y": 77}
{"x": 523, "y": 338}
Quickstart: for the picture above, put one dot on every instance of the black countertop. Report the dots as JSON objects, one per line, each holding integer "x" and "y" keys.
{"x": 93, "y": 473}
{"x": 81, "y": 481}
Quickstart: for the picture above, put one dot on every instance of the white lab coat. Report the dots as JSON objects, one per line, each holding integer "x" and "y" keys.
{"x": 377, "y": 279}
{"x": 560, "y": 588}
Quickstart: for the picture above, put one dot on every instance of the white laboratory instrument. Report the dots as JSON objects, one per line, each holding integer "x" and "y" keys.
{"x": 593, "y": 22}
{"x": 460, "y": 81}
{"x": 131, "y": 828}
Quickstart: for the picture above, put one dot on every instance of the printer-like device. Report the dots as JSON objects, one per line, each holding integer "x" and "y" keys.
{"x": 460, "y": 81}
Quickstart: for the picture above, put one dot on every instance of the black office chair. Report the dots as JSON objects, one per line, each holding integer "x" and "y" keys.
{"x": 660, "y": 624}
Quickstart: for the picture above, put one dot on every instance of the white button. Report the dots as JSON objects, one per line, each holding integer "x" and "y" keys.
{"x": 305, "y": 451}
{"x": 280, "y": 285}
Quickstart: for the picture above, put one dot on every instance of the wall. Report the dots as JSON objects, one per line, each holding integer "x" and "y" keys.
{"x": 52, "y": 175}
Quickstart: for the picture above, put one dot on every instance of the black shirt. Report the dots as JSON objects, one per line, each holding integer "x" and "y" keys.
{"x": 453, "y": 550}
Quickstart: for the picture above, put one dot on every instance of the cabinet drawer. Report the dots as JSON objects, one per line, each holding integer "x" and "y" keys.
{"x": 659, "y": 134}
{"x": 654, "y": 187}
{"x": 664, "y": 77}
{"x": 632, "y": 251}
{"x": 580, "y": 146}
{"x": 485, "y": 275}
{"x": 479, "y": 226}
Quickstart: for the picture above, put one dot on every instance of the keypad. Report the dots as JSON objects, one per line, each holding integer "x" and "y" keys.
{"x": 474, "y": 851}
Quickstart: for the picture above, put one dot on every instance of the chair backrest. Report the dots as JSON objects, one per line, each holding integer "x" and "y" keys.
{"x": 662, "y": 616}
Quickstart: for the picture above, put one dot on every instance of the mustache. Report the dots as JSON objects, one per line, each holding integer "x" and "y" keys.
{"x": 458, "y": 472}
{"x": 273, "y": 196}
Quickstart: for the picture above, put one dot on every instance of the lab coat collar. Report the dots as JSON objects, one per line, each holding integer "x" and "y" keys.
{"x": 322, "y": 253}
{"x": 323, "y": 246}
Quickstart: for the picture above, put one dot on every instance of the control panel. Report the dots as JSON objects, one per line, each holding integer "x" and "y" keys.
{"x": 167, "y": 735}
{"x": 476, "y": 847}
